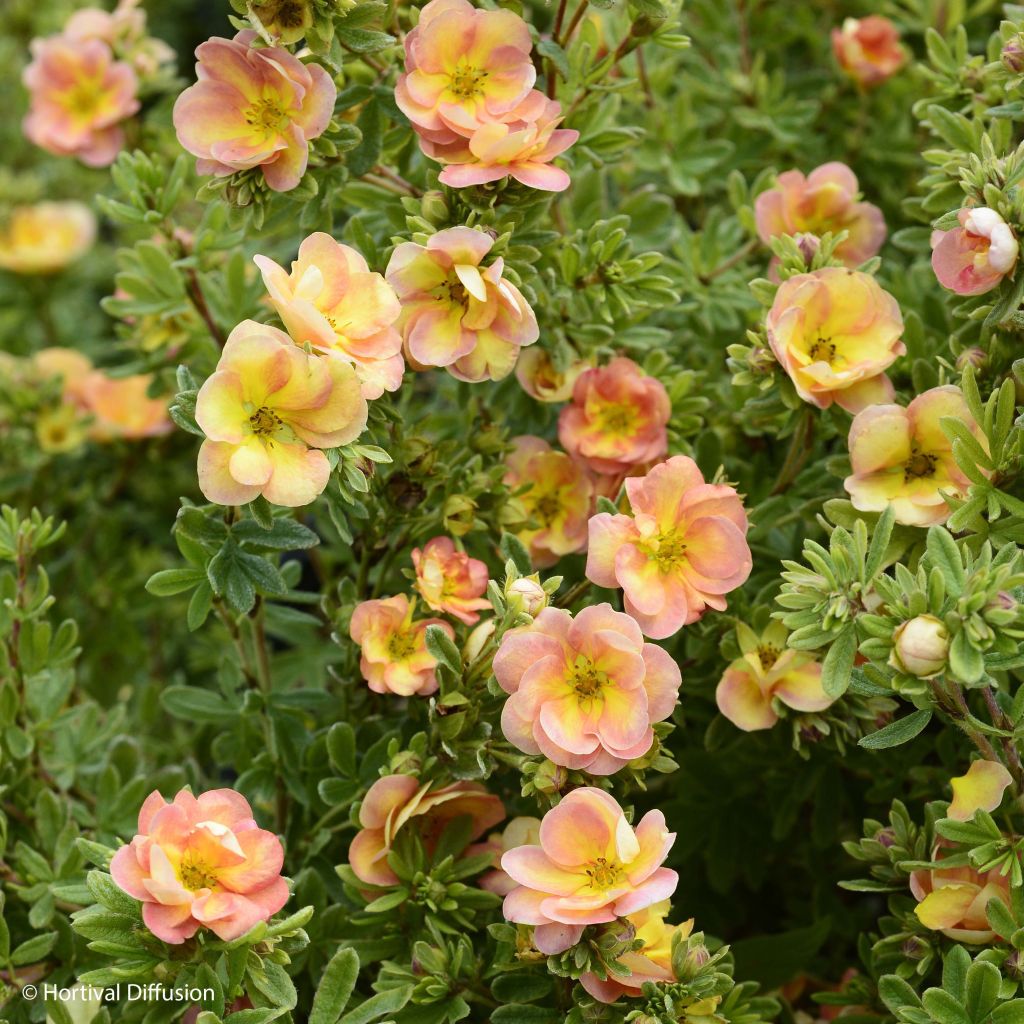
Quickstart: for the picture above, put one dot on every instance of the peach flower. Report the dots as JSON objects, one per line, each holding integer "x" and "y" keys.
{"x": 72, "y": 368}
{"x": 518, "y": 832}
{"x": 456, "y": 312}
{"x": 201, "y": 862}
{"x": 589, "y": 867}
{"x": 332, "y": 300}
{"x": 557, "y": 502}
{"x": 124, "y": 30}
{"x": 253, "y": 107}
{"x": 267, "y": 412}
{"x": 835, "y": 332}
{"x": 45, "y": 237}
{"x": 395, "y": 800}
{"x": 450, "y": 581}
{"x": 980, "y": 789}
{"x": 768, "y": 671}
{"x": 902, "y": 457}
{"x": 681, "y": 550}
{"x": 584, "y": 692}
{"x": 122, "y": 408}
{"x": 868, "y": 49}
{"x": 395, "y": 658}
{"x": 824, "y": 201}
{"x": 79, "y": 97}
{"x": 975, "y": 257}
{"x": 617, "y": 420}
{"x": 540, "y": 378}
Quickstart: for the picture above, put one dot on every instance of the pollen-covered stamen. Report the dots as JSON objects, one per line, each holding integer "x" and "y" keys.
{"x": 401, "y": 645}
{"x": 468, "y": 82}
{"x": 618, "y": 418}
{"x": 603, "y": 874}
{"x": 267, "y": 114}
{"x": 264, "y": 421}
{"x": 586, "y": 679}
{"x": 823, "y": 350}
{"x": 195, "y": 874}
{"x": 920, "y": 464}
{"x": 667, "y": 550}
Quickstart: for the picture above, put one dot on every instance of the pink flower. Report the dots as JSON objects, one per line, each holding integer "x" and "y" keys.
{"x": 518, "y": 832}
{"x": 584, "y": 692}
{"x": 680, "y": 552}
{"x": 824, "y": 201}
{"x": 868, "y": 49}
{"x": 393, "y": 801}
{"x": 79, "y": 96}
{"x": 332, "y": 300}
{"x": 617, "y": 420}
{"x": 201, "y": 862}
{"x": 395, "y": 658}
{"x": 456, "y": 312}
{"x": 122, "y": 408}
{"x": 42, "y": 238}
{"x": 590, "y": 867}
{"x": 253, "y": 107}
{"x": 975, "y": 257}
{"x": 450, "y": 581}
{"x": 124, "y": 30}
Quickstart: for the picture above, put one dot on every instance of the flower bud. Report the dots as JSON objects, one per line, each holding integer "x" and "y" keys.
{"x": 808, "y": 245}
{"x": 1013, "y": 54}
{"x": 974, "y": 357}
{"x": 921, "y": 646}
{"x": 434, "y": 208}
{"x": 476, "y": 640}
{"x": 885, "y": 836}
{"x": 687, "y": 967}
{"x": 550, "y": 778}
{"x": 459, "y": 510}
{"x": 526, "y": 595}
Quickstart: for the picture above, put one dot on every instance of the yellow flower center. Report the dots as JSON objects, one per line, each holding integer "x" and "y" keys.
{"x": 667, "y": 551}
{"x": 586, "y": 679}
{"x": 920, "y": 464}
{"x": 196, "y": 874}
{"x": 603, "y": 874}
{"x": 617, "y": 418}
{"x": 822, "y": 350}
{"x": 264, "y": 421}
{"x": 768, "y": 654}
{"x": 546, "y": 508}
{"x": 83, "y": 99}
{"x": 401, "y": 646}
{"x": 267, "y": 115}
{"x": 467, "y": 82}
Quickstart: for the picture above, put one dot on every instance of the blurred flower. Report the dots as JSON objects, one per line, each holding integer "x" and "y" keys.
{"x": 982, "y": 788}
{"x": 46, "y": 237}
{"x": 584, "y": 692}
{"x": 679, "y": 552}
{"x": 450, "y": 581}
{"x": 124, "y": 31}
{"x": 824, "y": 201}
{"x": 78, "y": 97}
{"x": 395, "y": 658}
{"x": 902, "y": 457}
{"x": 558, "y": 500}
{"x": 518, "y": 832}
{"x": 253, "y": 107}
{"x": 835, "y": 332}
{"x": 332, "y": 300}
{"x": 267, "y": 411}
{"x": 121, "y": 408}
{"x": 767, "y": 671}
{"x": 868, "y": 49}
{"x": 62, "y": 429}
{"x": 456, "y": 312}
{"x": 617, "y": 420}
{"x": 393, "y": 801}
{"x": 590, "y": 867}
{"x": 201, "y": 862}
{"x": 541, "y": 380}
{"x": 920, "y": 646}
{"x": 975, "y": 257}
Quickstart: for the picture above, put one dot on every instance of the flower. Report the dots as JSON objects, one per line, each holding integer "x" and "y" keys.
{"x": 902, "y": 457}
{"x": 767, "y": 671}
{"x": 557, "y": 501}
{"x": 285, "y": 21}
{"x": 868, "y": 49}
{"x": 824, "y": 201}
{"x": 541, "y": 379}
{"x": 526, "y": 595}
{"x": 395, "y": 658}
{"x": 450, "y": 581}
{"x": 456, "y": 312}
{"x": 79, "y": 95}
{"x": 584, "y": 692}
{"x": 981, "y": 788}
{"x": 253, "y": 107}
{"x": 652, "y": 962}
{"x": 617, "y": 420}
{"x": 201, "y": 862}
{"x": 267, "y": 411}
{"x": 975, "y": 257}
{"x": 679, "y": 552}
{"x": 332, "y": 300}
{"x": 920, "y": 646}
{"x": 46, "y": 237}
{"x": 393, "y": 801}
{"x": 589, "y": 867}
{"x": 122, "y": 408}
{"x": 835, "y": 332}
{"x": 124, "y": 31}
{"x": 518, "y": 832}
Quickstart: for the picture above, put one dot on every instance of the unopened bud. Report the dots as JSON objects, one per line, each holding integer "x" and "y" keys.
{"x": 920, "y": 647}
{"x": 434, "y": 207}
{"x": 697, "y": 956}
{"x": 885, "y": 836}
{"x": 1013, "y": 55}
{"x": 808, "y": 245}
{"x": 526, "y": 595}
{"x": 550, "y": 778}
{"x": 974, "y": 357}
{"x": 476, "y": 640}
{"x": 459, "y": 513}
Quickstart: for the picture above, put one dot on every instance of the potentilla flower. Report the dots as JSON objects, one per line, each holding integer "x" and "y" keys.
{"x": 540, "y": 378}
{"x": 868, "y": 49}
{"x": 584, "y": 692}
{"x": 557, "y": 502}
{"x": 395, "y": 658}
{"x": 267, "y": 412}
{"x": 768, "y": 671}
{"x": 824, "y": 201}
{"x": 450, "y": 581}
{"x": 122, "y": 408}
{"x": 617, "y": 420}
{"x": 975, "y": 257}
{"x": 835, "y": 332}
{"x": 46, "y": 237}
{"x": 590, "y": 867}
{"x": 79, "y": 96}
{"x": 456, "y": 312}
{"x": 981, "y": 789}
{"x": 518, "y": 832}
{"x": 902, "y": 457}
{"x": 920, "y": 646}
{"x": 679, "y": 552}
{"x": 332, "y": 300}
{"x": 253, "y": 107}
{"x": 285, "y": 21}
{"x": 124, "y": 30}
{"x": 395, "y": 800}
{"x": 201, "y": 862}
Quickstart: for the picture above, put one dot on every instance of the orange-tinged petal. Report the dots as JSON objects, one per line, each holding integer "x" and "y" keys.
{"x": 981, "y": 788}
{"x": 945, "y": 907}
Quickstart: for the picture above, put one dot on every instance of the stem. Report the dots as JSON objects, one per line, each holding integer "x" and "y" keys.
{"x": 365, "y": 58}
{"x": 195, "y": 293}
{"x": 1000, "y": 721}
{"x": 386, "y": 172}
{"x": 551, "y": 75}
{"x": 387, "y": 186}
{"x": 797, "y": 454}
{"x": 959, "y": 714}
{"x": 577, "y": 590}
{"x": 736, "y": 258}
{"x": 574, "y": 24}
{"x": 236, "y": 638}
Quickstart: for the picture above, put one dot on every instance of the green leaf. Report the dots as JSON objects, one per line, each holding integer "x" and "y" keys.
{"x": 192, "y": 703}
{"x": 383, "y": 1004}
{"x": 34, "y": 950}
{"x": 943, "y": 1007}
{"x": 1009, "y": 1013}
{"x": 897, "y": 993}
{"x": 173, "y": 581}
{"x": 837, "y": 667}
{"x": 335, "y": 988}
{"x": 943, "y": 552}
{"x": 880, "y": 537}
{"x": 983, "y": 981}
{"x": 443, "y": 648}
{"x": 966, "y": 663}
{"x": 282, "y": 535}
{"x": 903, "y": 730}
{"x": 954, "y": 972}
{"x": 512, "y": 547}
